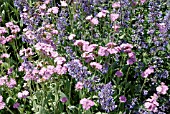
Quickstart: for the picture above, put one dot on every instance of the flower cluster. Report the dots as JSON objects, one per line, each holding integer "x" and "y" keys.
{"x": 2, "y": 104}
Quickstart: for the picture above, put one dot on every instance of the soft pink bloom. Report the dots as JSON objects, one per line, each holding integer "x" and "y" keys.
{"x": 88, "y": 18}
{"x": 116, "y": 5}
{"x": 54, "y": 32}
{"x": 2, "y": 39}
{"x": 46, "y": 1}
{"x": 3, "y": 30}
{"x": 122, "y": 99}
{"x": 142, "y": 1}
{"x": 162, "y": 89}
{"x": 89, "y": 48}
{"x": 131, "y": 55}
{"x": 61, "y": 69}
{"x": 94, "y": 21}
{"x": 9, "y": 24}
{"x": 88, "y": 56}
{"x": 1, "y": 62}
{"x": 71, "y": 37}
{"x": 1, "y": 98}
{"x": 79, "y": 86}
{"x": 15, "y": 29}
{"x": 10, "y": 37}
{"x": 54, "y": 10}
{"x": 19, "y": 95}
{"x": 63, "y": 3}
{"x": 86, "y": 103}
{"x": 12, "y": 83}
{"x": 102, "y": 13}
{"x": 5, "y": 55}
{"x": 16, "y": 105}
{"x": 111, "y": 45}
{"x": 116, "y": 27}
{"x": 103, "y": 51}
{"x": 80, "y": 42}
{"x": 3, "y": 80}
{"x": 130, "y": 61}
{"x": 2, "y": 105}
{"x": 43, "y": 7}
{"x": 147, "y": 72}
{"x": 96, "y": 65}
{"x": 151, "y": 103}
{"x": 113, "y": 17}
{"x": 126, "y": 47}
{"x": 119, "y": 73}
{"x": 60, "y": 60}
{"x": 64, "y": 99}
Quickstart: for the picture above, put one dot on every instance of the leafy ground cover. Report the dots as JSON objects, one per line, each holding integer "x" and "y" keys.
{"x": 84, "y": 57}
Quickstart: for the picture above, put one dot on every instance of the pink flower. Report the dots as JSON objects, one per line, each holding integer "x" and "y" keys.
{"x": 1, "y": 62}
{"x": 103, "y": 51}
{"x": 79, "y": 86}
{"x": 122, "y": 99}
{"x": 64, "y": 99}
{"x": 5, "y": 55}
{"x": 126, "y": 47}
{"x": 71, "y": 37}
{"x": 88, "y": 56}
{"x": 3, "y": 30}
{"x": 1, "y": 98}
{"x": 43, "y": 7}
{"x": 151, "y": 103}
{"x": 102, "y": 13}
{"x": 23, "y": 94}
{"x": 46, "y": 1}
{"x": 130, "y": 61}
{"x": 162, "y": 89}
{"x": 119, "y": 73}
{"x": 9, "y": 24}
{"x": 88, "y": 18}
{"x": 142, "y": 1}
{"x": 2, "y": 105}
{"x": 63, "y": 3}
{"x": 113, "y": 17}
{"x": 59, "y": 60}
{"x": 114, "y": 50}
{"x": 89, "y": 48}
{"x": 116, "y": 27}
{"x": 147, "y": 72}
{"x": 94, "y": 21}
{"x": 54, "y": 32}
{"x": 54, "y": 10}
{"x": 86, "y": 103}
{"x": 96, "y": 65}
{"x": 80, "y": 42}
{"x": 16, "y": 105}
{"x": 12, "y": 83}
{"x": 2, "y": 39}
{"x": 116, "y": 5}
{"x": 19, "y": 95}
{"x": 111, "y": 44}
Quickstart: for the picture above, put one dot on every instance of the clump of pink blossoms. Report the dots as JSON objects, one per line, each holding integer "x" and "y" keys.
{"x": 87, "y": 104}
{"x": 151, "y": 103}
{"x": 2, "y": 104}
{"x": 162, "y": 89}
